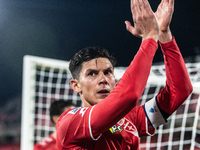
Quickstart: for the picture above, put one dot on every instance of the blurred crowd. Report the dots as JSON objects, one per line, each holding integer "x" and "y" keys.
{"x": 10, "y": 124}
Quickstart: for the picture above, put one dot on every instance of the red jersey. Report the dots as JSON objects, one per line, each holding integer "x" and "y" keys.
{"x": 48, "y": 143}
{"x": 115, "y": 123}
{"x": 124, "y": 135}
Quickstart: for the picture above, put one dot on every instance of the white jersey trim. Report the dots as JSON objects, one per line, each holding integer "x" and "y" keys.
{"x": 90, "y": 129}
{"x": 147, "y": 129}
{"x": 153, "y": 113}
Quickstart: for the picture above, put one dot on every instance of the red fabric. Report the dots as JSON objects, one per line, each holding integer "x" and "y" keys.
{"x": 73, "y": 128}
{"x": 73, "y": 131}
{"x": 178, "y": 85}
{"x": 10, "y": 147}
{"x": 115, "y": 122}
{"x": 48, "y": 143}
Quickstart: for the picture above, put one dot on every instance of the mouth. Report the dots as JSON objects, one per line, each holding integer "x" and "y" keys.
{"x": 103, "y": 92}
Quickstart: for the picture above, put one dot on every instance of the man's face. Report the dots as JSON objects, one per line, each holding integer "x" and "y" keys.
{"x": 96, "y": 80}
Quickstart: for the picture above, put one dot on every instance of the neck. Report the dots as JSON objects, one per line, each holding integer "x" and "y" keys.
{"x": 54, "y": 134}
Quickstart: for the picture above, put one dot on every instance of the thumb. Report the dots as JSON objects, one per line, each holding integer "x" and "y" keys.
{"x": 129, "y": 27}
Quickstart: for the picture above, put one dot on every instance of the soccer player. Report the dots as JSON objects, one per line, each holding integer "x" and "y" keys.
{"x": 109, "y": 118}
{"x": 56, "y": 109}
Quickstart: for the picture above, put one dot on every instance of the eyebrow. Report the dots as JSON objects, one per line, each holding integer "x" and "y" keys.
{"x": 91, "y": 70}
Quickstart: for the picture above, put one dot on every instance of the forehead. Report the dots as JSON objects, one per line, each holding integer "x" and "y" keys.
{"x": 97, "y": 63}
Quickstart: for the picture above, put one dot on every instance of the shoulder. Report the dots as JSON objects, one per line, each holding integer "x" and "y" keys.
{"x": 45, "y": 143}
{"x": 66, "y": 113}
{"x": 73, "y": 117}
{"x": 73, "y": 112}
{"x": 71, "y": 124}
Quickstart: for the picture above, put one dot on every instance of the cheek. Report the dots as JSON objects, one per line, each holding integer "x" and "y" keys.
{"x": 112, "y": 82}
{"x": 88, "y": 85}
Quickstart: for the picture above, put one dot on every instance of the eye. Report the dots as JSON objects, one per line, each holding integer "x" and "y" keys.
{"x": 92, "y": 73}
{"x": 107, "y": 72}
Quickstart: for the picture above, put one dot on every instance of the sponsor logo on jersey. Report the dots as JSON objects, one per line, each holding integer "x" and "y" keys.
{"x": 126, "y": 125}
{"x": 81, "y": 112}
{"x": 74, "y": 110}
{"x": 152, "y": 110}
{"x": 115, "y": 128}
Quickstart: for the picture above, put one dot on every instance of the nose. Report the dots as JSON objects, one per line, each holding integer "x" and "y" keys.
{"x": 102, "y": 79}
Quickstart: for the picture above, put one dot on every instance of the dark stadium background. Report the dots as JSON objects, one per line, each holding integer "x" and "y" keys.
{"x": 59, "y": 28}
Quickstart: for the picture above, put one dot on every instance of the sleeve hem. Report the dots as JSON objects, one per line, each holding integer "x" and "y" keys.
{"x": 153, "y": 113}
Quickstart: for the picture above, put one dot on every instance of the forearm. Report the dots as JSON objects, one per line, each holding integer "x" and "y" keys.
{"x": 178, "y": 85}
{"x": 126, "y": 94}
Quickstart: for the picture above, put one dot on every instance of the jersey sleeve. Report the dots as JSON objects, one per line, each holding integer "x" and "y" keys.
{"x": 178, "y": 86}
{"x": 126, "y": 94}
{"x": 177, "y": 89}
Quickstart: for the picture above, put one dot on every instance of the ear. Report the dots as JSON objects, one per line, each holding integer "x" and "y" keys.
{"x": 75, "y": 85}
{"x": 55, "y": 118}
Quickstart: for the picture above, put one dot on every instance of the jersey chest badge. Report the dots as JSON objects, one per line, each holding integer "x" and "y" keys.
{"x": 126, "y": 125}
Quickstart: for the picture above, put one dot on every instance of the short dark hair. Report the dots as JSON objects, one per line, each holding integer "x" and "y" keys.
{"x": 87, "y": 54}
{"x": 57, "y": 108}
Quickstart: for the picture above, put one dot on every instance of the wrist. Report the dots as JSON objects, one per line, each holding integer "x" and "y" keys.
{"x": 154, "y": 36}
{"x": 165, "y": 36}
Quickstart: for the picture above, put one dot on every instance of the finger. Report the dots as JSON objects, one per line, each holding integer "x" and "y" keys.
{"x": 145, "y": 6}
{"x": 167, "y": 1}
{"x": 171, "y": 2}
{"x": 137, "y": 6}
{"x": 133, "y": 9}
{"x": 129, "y": 27}
{"x": 142, "y": 5}
{"x": 161, "y": 3}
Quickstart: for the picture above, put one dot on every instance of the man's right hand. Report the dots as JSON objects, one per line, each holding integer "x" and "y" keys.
{"x": 145, "y": 22}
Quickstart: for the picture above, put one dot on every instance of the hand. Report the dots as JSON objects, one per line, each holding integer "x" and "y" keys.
{"x": 164, "y": 16}
{"x": 145, "y": 22}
